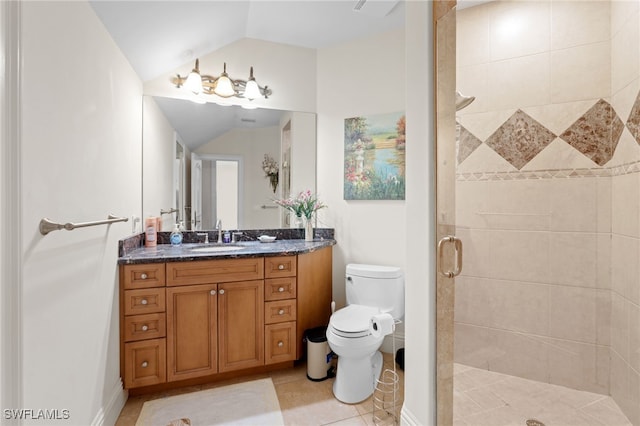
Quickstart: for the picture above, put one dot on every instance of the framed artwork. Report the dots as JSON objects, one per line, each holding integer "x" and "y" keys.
{"x": 374, "y": 157}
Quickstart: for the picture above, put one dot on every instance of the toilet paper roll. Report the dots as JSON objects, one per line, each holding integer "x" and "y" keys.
{"x": 381, "y": 325}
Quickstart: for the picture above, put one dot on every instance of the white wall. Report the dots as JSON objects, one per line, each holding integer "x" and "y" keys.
{"x": 367, "y": 231}
{"x": 81, "y": 151}
{"x": 251, "y": 145}
{"x": 420, "y": 391}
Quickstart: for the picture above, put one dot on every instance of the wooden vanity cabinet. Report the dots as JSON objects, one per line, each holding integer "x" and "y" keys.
{"x": 190, "y": 320}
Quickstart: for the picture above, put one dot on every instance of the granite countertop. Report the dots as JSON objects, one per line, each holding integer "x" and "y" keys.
{"x": 195, "y": 251}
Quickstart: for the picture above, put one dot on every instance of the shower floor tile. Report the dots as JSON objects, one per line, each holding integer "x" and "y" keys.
{"x": 485, "y": 398}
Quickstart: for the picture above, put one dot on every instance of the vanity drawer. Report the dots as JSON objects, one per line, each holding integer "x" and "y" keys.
{"x": 215, "y": 271}
{"x": 145, "y": 363}
{"x": 280, "y": 288}
{"x": 280, "y": 266}
{"x": 142, "y": 327}
{"x": 279, "y": 342}
{"x": 279, "y": 311}
{"x": 144, "y": 301}
{"x": 143, "y": 276}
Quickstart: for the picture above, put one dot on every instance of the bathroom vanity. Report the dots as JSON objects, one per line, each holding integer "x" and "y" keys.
{"x": 200, "y": 313}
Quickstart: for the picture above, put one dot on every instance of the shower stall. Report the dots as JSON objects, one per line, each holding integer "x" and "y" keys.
{"x": 547, "y": 206}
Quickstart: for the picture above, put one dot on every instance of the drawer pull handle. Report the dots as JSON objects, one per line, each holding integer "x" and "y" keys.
{"x": 213, "y": 292}
{"x": 143, "y": 302}
{"x": 281, "y": 267}
{"x": 145, "y": 364}
{"x": 143, "y": 276}
{"x": 145, "y": 327}
{"x": 281, "y": 312}
{"x": 222, "y": 291}
{"x": 280, "y": 289}
{"x": 280, "y": 344}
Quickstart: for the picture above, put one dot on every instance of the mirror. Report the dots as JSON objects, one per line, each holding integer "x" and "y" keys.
{"x": 204, "y": 162}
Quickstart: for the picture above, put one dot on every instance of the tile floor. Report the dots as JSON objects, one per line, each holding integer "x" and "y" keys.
{"x": 481, "y": 398}
{"x": 302, "y": 401}
{"x": 485, "y": 398}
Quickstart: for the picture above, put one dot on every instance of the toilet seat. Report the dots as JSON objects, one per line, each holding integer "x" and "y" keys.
{"x": 352, "y": 321}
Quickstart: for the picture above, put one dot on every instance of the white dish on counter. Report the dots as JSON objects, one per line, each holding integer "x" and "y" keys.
{"x": 266, "y": 238}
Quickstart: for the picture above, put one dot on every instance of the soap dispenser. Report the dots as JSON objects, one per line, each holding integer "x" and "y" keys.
{"x": 176, "y": 236}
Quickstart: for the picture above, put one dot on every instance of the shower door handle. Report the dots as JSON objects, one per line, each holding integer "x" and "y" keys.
{"x": 457, "y": 245}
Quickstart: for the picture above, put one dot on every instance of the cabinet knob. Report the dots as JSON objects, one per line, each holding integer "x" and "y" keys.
{"x": 145, "y": 327}
{"x": 143, "y": 276}
{"x": 280, "y": 266}
{"x": 280, "y": 289}
{"x": 143, "y": 302}
{"x": 145, "y": 364}
{"x": 280, "y": 344}
{"x": 213, "y": 292}
{"x": 221, "y": 291}
{"x": 281, "y": 312}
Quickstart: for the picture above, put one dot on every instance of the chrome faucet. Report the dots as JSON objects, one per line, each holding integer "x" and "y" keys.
{"x": 219, "y": 229}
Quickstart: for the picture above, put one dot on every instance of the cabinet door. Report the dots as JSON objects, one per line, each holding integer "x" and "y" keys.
{"x": 241, "y": 325}
{"x": 191, "y": 331}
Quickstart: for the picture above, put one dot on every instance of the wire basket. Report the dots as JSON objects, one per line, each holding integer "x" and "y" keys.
{"x": 386, "y": 394}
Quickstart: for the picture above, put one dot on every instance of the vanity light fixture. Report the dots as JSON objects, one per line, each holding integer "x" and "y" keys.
{"x": 223, "y": 85}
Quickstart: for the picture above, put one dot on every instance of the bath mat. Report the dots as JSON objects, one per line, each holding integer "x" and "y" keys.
{"x": 249, "y": 403}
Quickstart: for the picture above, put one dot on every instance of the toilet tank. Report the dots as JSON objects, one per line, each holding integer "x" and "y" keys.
{"x": 377, "y": 286}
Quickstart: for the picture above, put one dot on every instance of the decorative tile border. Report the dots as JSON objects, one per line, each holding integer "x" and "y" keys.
{"x": 623, "y": 169}
{"x": 520, "y": 138}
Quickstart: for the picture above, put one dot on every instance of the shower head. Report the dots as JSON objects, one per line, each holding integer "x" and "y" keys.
{"x": 463, "y": 101}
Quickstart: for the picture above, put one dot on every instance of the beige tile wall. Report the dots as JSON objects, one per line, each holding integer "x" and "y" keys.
{"x": 625, "y": 217}
{"x": 551, "y": 285}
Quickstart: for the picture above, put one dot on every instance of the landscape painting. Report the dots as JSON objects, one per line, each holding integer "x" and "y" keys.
{"x": 374, "y": 157}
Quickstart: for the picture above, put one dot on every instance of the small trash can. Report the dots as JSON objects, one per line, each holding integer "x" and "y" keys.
{"x": 318, "y": 354}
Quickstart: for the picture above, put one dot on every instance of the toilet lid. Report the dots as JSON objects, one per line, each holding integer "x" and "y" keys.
{"x": 353, "y": 319}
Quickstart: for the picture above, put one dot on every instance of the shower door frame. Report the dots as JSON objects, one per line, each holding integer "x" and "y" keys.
{"x": 448, "y": 248}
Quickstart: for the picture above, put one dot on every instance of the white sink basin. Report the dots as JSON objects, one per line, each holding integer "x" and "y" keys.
{"x": 216, "y": 249}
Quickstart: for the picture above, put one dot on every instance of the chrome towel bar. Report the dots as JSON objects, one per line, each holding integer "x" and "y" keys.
{"x": 47, "y": 225}
{"x": 264, "y": 206}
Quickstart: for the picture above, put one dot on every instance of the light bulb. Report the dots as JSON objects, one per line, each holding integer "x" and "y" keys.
{"x": 194, "y": 81}
{"x": 224, "y": 86}
{"x": 251, "y": 90}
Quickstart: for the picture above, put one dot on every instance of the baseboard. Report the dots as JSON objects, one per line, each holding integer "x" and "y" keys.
{"x": 108, "y": 414}
{"x": 407, "y": 418}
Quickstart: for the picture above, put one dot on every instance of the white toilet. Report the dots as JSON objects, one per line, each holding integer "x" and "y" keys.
{"x": 371, "y": 290}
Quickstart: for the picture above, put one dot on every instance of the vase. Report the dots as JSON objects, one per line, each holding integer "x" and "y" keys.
{"x": 308, "y": 230}
{"x": 273, "y": 178}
